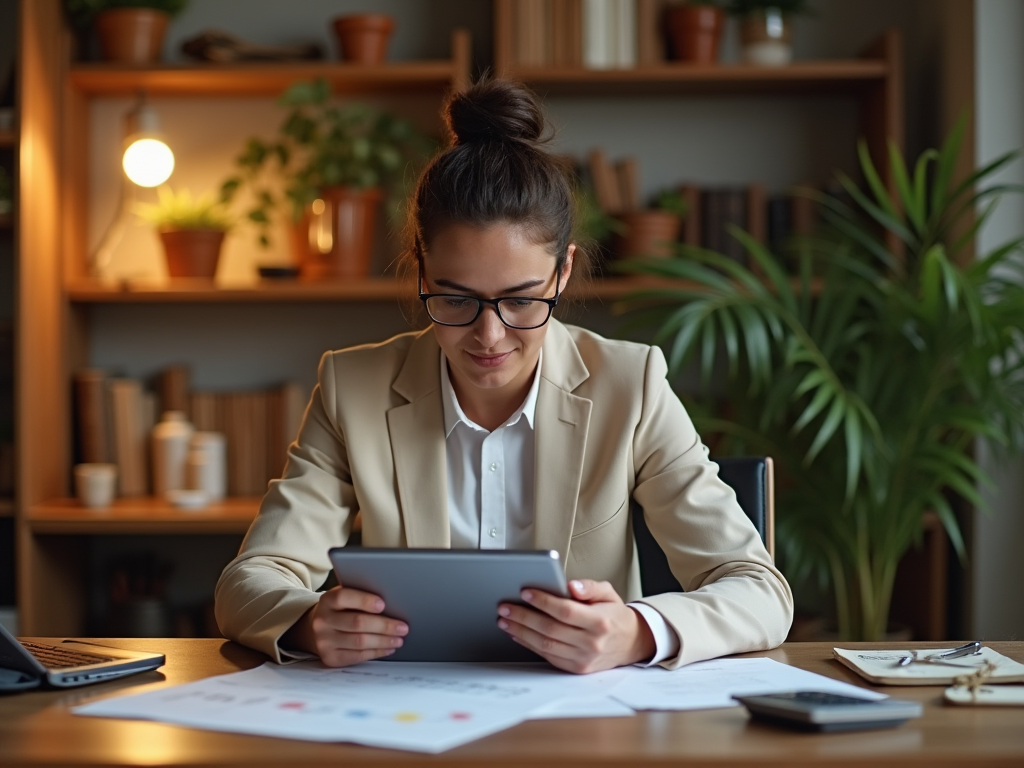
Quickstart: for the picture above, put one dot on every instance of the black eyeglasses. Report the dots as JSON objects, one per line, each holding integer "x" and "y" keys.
{"x": 521, "y": 313}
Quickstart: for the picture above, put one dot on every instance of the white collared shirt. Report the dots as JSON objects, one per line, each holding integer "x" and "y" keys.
{"x": 491, "y": 488}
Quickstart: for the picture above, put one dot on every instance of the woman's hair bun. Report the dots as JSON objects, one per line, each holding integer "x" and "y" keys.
{"x": 494, "y": 111}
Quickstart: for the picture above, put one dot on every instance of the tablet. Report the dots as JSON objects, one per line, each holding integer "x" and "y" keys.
{"x": 449, "y": 597}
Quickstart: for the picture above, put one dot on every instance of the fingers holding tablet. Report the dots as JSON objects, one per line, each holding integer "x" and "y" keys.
{"x": 347, "y": 627}
{"x": 593, "y": 632}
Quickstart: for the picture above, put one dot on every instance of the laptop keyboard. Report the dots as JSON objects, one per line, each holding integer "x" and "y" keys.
{"x": 55, "y": 657}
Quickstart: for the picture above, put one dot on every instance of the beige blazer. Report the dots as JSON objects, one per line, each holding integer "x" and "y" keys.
{"x": 608, "y": 429}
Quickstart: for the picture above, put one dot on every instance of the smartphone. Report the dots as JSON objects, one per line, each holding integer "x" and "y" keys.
{"x": 823, "y": 711}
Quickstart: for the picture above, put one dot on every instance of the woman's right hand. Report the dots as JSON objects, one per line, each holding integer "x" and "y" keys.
{"x": 345, "y": 627}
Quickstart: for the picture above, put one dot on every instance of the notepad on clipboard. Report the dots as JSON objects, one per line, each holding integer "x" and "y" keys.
{"x": 881, "y": 667}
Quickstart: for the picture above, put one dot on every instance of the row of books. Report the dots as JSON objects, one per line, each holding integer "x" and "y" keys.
{"x": 115, "y": 416}
{"x": 593, "y": 34}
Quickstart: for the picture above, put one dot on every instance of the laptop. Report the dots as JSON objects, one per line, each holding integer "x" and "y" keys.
{"x": 71, "y": 663}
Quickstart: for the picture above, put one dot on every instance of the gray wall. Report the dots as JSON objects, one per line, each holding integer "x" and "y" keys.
{"x": 999, "y": 535}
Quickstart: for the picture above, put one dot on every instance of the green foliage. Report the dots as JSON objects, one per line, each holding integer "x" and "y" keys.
{"x": 870, "y": 374}
{"x": 82, "y": 12}
{"x": 323, "y": 144}
{"x": 787, "y": 7}
{"x": 182, "y": 211}
{"x": 671, "y": 201}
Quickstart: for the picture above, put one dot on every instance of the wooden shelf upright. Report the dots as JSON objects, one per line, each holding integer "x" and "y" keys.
{"x": 55, "y": 293}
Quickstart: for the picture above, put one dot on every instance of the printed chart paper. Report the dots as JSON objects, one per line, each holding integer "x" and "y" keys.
{"x": 712, "y": 684}
{"x": 426, "y": 707}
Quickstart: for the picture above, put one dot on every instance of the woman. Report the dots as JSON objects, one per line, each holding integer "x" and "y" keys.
{"x": 499, "y": 427}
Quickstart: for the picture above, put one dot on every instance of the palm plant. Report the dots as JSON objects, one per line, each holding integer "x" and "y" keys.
{"x": 870, "y": 374}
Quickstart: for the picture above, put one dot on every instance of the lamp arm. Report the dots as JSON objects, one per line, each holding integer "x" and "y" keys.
{"x": 102, "y": 256}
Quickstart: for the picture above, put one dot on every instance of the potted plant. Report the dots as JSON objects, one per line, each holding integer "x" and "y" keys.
{"x": 191, "y": 229}
{"x": 129, "y": 31}
{"x": 765, "y": 29}
{"x": 335, "y": 163}
{"x": 363, "y": 38}
{"x": 652, "y": 232}
{"x": 695, "y": 29}
{"x": 870, "y": 376}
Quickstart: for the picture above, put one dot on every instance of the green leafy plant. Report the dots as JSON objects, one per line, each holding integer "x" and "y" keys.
{"x": 870, "y": 375}
{"x": 82, "y": 12}
{"x": 323, "y": 144}
{"x": 671, "y": 201}
{"x": 182, "y": 211}
{"x": 786, "y": 7}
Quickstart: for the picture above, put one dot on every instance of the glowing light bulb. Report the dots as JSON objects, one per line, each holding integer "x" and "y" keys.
{"x": 148, "y": 162}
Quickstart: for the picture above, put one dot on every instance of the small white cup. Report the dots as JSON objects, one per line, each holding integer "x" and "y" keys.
{"x": 96, "y": 484}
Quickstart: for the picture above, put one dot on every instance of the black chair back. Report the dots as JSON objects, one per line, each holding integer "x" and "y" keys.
{"x": 753, "y": 481}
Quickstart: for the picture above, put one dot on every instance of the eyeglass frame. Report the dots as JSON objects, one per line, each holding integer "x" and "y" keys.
{"x": 552, "y": 303}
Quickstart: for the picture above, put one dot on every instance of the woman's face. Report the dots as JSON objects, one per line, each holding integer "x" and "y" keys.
{"x": 490, "y": 262}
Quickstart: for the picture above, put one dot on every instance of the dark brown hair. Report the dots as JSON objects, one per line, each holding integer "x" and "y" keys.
{"x": 496, "y": 170}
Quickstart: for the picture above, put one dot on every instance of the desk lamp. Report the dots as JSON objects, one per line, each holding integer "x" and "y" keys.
{"x": 147, "y": 162}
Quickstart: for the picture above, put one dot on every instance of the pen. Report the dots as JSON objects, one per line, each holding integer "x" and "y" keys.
{"x": 967, "y": 649}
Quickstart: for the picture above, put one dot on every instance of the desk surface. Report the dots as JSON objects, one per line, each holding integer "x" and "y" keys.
{"x": 36, "y": 729}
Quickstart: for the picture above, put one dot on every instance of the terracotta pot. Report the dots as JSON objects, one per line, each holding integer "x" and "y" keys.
{"x": 131, "y": 35}
{"x": 648, "y": 234}
{"x": 363, "y": 38}
{"x": 765, "y": 36}
{"x": 335, "y": 237}
{"x": 192, "y": 252}
{"x": 695, "y": 31}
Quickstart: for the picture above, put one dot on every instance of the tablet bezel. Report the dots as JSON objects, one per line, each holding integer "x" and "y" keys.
{"x": 450, "y": 597}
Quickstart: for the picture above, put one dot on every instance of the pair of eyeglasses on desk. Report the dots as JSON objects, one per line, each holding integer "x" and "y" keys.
{"x": 968, "y": 649}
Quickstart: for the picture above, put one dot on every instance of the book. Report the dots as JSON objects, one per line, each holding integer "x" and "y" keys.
{"x": 650, "y": 39}
{"x": 627, "y": 177}
{"x": 624, "y": 27}
{"x": 92, "y": 416}
{"x": 881, "y": 667}
{"x": 597, "y": 34}
{"x": 129, "y": 438}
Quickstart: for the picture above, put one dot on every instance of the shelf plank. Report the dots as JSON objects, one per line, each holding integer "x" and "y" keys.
{"x": 204, "y": 291}
{"x": 826, "y": 76}
{"x": 371, "y": 289}
{"x": 142, "y": 516}
{"x": 259, "y": 79}
{"x": 6, "y": 507}
{"x": 8, "y": 138}
{"x": 269, "y": 291}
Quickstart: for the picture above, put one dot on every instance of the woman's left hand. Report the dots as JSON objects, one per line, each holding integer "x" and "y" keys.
{"x": 596, "y": 631}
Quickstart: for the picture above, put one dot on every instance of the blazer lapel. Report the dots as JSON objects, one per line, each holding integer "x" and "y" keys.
{"x": 416, "y": 430}
{"x": 562, "y": 422}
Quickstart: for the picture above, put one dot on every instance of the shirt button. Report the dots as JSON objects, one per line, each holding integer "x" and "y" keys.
{"x": 494, "y": 467}
{"x": 494, "y": 533}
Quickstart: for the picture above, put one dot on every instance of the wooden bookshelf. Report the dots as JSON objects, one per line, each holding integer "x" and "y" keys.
{"x": 6, "y": 507}
{"x": 263, "y": 79}
{"x": 8, "y": 138}
{"x": 142, "y": 516}
{"x": 6, "y": 221}
{"x": 804, "y": 77}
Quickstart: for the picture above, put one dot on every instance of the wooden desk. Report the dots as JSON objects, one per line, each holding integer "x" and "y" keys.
{"x": 36, "y": 729}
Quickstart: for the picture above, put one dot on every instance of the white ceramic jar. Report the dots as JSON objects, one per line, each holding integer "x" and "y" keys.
{"x": 207, "y": 464}
{"x": 171, "y": 438}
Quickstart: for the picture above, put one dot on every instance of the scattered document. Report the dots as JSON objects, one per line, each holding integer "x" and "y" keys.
{"x": 431, "y": 707}
{"x": 424, "y": 707}
{"x": 712, "y": 684}
{"x": 882, "y": 668}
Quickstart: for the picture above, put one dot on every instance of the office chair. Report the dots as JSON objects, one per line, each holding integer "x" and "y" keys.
{"x": 753, "y": 480}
